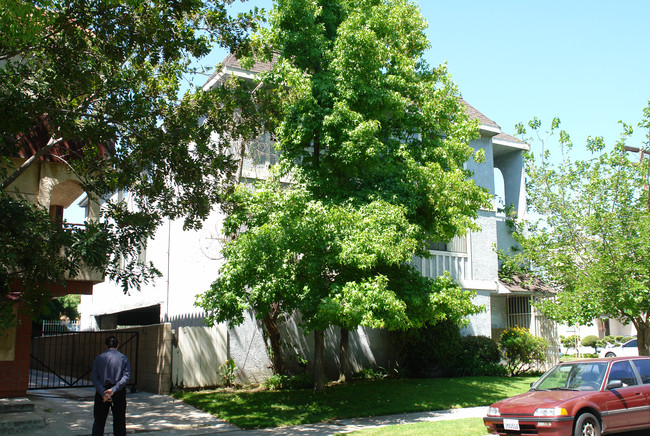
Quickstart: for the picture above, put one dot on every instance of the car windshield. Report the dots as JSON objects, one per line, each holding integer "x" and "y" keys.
{"x": 580, "y": 376}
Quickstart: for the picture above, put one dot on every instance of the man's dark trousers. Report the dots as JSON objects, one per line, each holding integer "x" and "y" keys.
{"x": 119, "y": 414}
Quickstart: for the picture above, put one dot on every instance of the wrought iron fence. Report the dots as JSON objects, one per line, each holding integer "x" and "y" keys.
{"x": 65, "y": 360}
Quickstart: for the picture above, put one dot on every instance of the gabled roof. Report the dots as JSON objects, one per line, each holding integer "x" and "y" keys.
{"x": 232, "y": 66}
{"x": 476, "y": 115}
{"x": 490, "y": 128}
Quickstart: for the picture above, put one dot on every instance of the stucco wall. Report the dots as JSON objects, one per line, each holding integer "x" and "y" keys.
{"x": 511, "y": 166}
{"x": 188, "y": 261}
{"x": 485, "y": 265}
{"x": 483, "y": 173}
{"x": 480, "y": 324}
{"x": 369, "y": 348}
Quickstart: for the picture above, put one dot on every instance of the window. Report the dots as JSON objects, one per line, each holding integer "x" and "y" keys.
{"x": 623, "y": 371}
{"x": 643, "y": 368}
{"x": 631, "y": 344}
{"x": 519, "y": 312}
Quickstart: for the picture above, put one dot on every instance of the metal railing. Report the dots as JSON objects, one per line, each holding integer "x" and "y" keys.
{"x": 57, "y": 327}
{"x": 65, "y": 360}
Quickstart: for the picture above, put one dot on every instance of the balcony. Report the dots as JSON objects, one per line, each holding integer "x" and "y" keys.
{"x": 457, "y": 264}
{"x": 85, "y": 274}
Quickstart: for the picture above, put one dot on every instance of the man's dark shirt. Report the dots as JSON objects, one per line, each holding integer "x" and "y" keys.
{"x": 111, "y": 369}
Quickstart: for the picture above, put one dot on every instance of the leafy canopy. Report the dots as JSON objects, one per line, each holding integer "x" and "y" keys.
{"x": 591, "y": 240}
{"x": 375, "y": 143}
{"x": 103, "y": 79}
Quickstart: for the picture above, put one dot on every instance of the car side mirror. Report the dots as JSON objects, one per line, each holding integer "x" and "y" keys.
{"x": 531, "y": 384}
{"x": 614, "y": 384}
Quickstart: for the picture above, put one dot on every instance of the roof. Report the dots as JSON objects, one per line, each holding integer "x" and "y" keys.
{"x": 232, "y": 65}
{"x": 524, "y": 283}
{"x": 39, "y": 136}
{"x": 476, "y": 115}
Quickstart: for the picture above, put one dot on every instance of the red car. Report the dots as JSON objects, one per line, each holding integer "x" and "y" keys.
{"x": 580, "y": 398}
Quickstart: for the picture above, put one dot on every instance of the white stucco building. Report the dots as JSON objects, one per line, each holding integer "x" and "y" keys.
{"x": 189, "y": 260}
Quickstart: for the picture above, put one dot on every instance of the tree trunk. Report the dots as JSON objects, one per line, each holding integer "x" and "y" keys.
{"x": 273, "y": 334}
{"x": 643, "y": 336}
{"x": 345, "y": 372}
{"x": 319, "y": 361}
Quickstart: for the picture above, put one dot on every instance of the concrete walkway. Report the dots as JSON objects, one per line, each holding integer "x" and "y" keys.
{"x": 69, "y": 412}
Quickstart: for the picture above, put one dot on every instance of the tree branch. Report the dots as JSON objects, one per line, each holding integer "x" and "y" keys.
{"x": 12, "y": 178}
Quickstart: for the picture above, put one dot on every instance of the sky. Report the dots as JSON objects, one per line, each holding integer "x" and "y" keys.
{"x": 585, "y": 62}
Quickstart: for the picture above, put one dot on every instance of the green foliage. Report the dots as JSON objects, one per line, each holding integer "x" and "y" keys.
{"x": 522, "y": 350}
{"x": 590, "y": 241}
{"x": 569, "y": 341}
{"x": 479, "y": 355}
{"x": 279, "y": 382}
{"x": 429, "y": 351}
{"x": 339, "y": 264}
{"x": 372, "y": 374}
{"x": 228, "y": 373}
{"x": 38, "y": 252}
{"x": 607, "y": 340}
{"x": 590, "y": 341}
{"x": 376, "y": 144}
{"x": 101, "y": 78}
{"x": 62, "y": 307}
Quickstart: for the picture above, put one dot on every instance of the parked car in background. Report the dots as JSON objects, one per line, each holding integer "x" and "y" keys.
{"x": 628, "y": 348}
{"x": 581, "y": 398}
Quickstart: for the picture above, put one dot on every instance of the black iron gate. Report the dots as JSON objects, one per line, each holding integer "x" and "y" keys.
{"x": 65, "y": 360}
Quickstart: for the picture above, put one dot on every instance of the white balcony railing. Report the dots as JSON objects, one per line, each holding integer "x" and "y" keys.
{"x": 457, "y": 264}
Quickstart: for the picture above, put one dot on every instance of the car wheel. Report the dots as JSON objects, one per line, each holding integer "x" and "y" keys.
{"x": 587, "y": 425}
{"x": 610, "y": 354}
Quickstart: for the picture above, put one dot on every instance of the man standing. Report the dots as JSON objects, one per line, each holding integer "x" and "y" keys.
{"x": 111, "y": 371}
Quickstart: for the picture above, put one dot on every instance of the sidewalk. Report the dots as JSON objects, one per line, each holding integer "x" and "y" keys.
{"x": 69, "y": 412}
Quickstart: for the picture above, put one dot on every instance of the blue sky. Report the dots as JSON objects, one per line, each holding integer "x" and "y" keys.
{"x": 585, "y": 62}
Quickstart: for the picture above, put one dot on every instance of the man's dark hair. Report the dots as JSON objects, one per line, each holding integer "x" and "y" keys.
{"x": 111, "y": 342}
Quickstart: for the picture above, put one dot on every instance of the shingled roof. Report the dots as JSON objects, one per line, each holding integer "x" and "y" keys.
{"x": 524, "y": 283}
{"x": 476, "y": 115}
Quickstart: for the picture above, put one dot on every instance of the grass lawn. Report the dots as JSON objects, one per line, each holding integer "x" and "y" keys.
{"x": 455, "y": 427}
{"x": 261, "y": 408}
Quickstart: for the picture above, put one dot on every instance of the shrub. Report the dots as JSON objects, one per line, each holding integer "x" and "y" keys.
{"x": 281, "y": 382}
{"x": 378, "y": 373}
{"x": 228, "y": 373}
{"x": 478, "y": 356}
{"x": 590, "y": 341}
{"x": 521, "y": 350}
{"x": 431, "y": 351}
{"x": 609, "y": 340}
{"x": 569, "y": 341}
{"x": 494, "y": 370}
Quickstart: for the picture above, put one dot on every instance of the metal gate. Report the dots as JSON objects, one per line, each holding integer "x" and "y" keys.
{"x": 65, "y": 360}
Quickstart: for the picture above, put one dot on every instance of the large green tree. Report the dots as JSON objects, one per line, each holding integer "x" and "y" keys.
{"x": 95, "y": 84}
{"x": 375, "y": 142}
{"x": 590, "y": 238}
